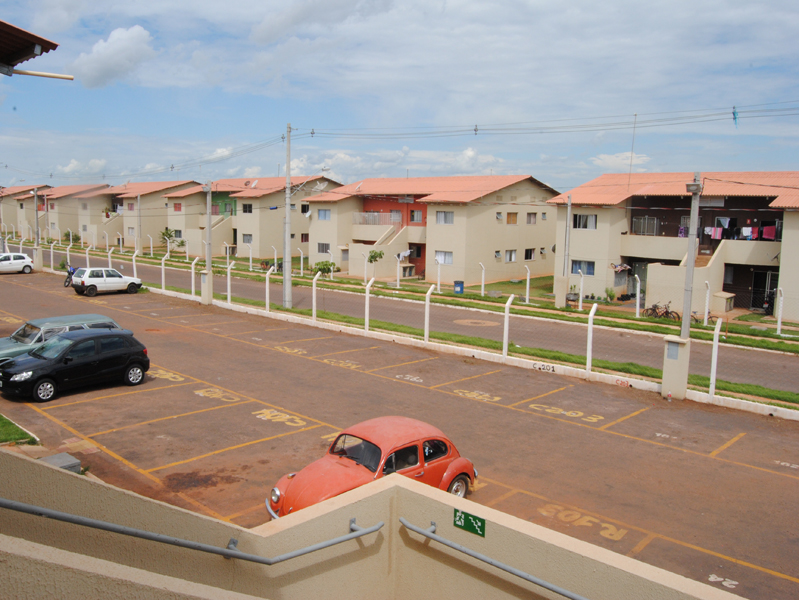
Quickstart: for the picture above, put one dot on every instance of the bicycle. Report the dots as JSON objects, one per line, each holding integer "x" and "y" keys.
{"x": 661, "y": 312}
{"x": 697, "y": 318}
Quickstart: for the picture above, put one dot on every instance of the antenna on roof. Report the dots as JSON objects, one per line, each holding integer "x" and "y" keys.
{"x": 254, "y": 183}
{"x": 359, "y": 186}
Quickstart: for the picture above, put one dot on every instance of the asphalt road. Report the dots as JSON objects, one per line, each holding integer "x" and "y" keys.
{"x": 234, "y": 401}
{"x": 769, "y": 369}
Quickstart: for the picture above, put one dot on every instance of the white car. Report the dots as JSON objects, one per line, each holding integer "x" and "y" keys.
{"x": 15, "y": 263}
{"x": 91, "y": 281}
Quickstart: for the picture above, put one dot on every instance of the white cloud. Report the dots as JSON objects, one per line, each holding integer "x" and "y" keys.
{"x": 252, "y": 172}
{"x": 75, "y": 167}
{"x": 117, "y": 58}
{"x": 619, "y": 162}
{"x": 57, "y": 15}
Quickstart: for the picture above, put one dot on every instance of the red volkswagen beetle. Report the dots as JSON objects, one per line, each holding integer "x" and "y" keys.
{"x": 370, "y": 450}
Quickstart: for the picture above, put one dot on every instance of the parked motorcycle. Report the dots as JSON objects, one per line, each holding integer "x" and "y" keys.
{"x": 70, "y": 272}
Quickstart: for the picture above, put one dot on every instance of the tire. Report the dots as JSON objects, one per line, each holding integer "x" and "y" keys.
{"x": 132, "y": 289}
{"x": 648, "y": 312}
{"x": 134, "y": 374}
{"x": 459, "y": 486}
{"x": 674, "y": 316}
{"x": 711, "y": 320}
{"x": 91, "y": 291}
{"x": 80, "y": 292}
{"x": 26, "y": 269}
{"x": 68, "y": 281}
{"x": 44, "y": 390}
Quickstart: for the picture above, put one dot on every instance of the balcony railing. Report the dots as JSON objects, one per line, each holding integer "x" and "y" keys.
{"x": 375, "y": 218}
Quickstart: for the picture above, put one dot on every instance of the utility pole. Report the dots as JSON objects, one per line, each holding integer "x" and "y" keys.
{"x": 207, "y": 275}
{"x": 287, "y": 302}
{"x": 36, "y": 205}
{"x": 138, "y": 228}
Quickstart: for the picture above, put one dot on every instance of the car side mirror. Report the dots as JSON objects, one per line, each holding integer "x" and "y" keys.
{"x": 67, "y": 360}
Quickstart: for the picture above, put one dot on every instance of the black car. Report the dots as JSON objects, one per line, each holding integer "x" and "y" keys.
{"x": 74, "y": 359}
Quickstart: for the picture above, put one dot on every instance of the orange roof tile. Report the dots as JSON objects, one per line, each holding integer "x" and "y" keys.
{"x": 131, "y": 190}
{"x": 62, "y": 191}
{"x": 615, "y": 188}
{"x": 17, "y": 189}
{"x": 270, "y": 185}
{"x": 458, "y": 189}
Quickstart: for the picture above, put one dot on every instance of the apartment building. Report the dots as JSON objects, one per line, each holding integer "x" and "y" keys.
{"x": 460, "y": 226}
{"x": 626, "y": 225}
{"x": 19, "y": 210}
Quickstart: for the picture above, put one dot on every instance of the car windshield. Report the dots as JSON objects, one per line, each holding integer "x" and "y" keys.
{"x": 52, "y": 347}
{"x": 26, "y": 334}
{"x": 362, "y": 452}
{"x": 79, "y": 273}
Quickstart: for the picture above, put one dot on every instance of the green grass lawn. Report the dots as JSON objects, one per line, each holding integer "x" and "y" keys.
{"x": 11, "y": 433}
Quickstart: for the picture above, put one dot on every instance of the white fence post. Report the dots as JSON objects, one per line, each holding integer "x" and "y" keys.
{"x": 332, "y": 265}
{"x": 193, "y": 283}
{"x": 313, "y": 310}
{"x": 266, "y": 294}
{"x": 51, "y": 256}
{"x": 365, "y": 266}
{"x": 507, "y": 327}
{"x": 589, "y": 350}
{"x": 707, "y": 302}
{"x": 714, "y": 359}
{"x": 227, "y": 254}
{"x": 109, "y": 257}
{"x": 302, "y": 256}
{"x": 134, "y": 263}
{"x": 151, "y": 245}
{"x": 779, "y": 313}
{"x": 483, "y": 280}
{"x": 163, "y": 272}
{"x": 580, "y": 299}
{"x": 366, "y": 307}
{"x": 120, "y": 242}
{"x": 438, "y": 283}
{"x": 427, "y": 314}
{"x": 248, "y": 245}
{"x": 527, "y": 288}
{"x": 637, "y": 297}
{"x": 68, "y": 247}
{"x": 229, "y": 267}
{"x": 87, "y": 258}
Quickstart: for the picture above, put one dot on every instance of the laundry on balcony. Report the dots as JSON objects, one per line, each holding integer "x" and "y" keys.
{"x": 769, "y": 232}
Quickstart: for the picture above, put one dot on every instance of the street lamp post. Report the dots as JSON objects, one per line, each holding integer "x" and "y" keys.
{"x": 287, "y": 300}
{"x": 207, "y": 275}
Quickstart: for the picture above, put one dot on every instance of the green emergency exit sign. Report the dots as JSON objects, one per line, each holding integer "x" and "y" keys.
{"x": 470, "y": 523}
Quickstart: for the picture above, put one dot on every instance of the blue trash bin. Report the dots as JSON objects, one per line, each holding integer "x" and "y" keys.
{"x": 458, "y": 287}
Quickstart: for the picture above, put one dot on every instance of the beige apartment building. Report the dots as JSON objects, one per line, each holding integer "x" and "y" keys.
{"x": 19, "y": 211}
{"x": 62, "y": 208}
{"x": 460, "y": 226}
{"x": 626, "y": 225}
{"x": 246, "y": 214}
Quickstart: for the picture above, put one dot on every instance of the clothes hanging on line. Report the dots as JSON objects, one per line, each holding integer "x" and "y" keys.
{"x": 716, "y": 235}
{"x": 769, "y": 232}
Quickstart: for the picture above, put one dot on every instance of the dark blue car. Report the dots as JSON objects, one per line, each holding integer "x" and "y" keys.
{"x": 75, "y": 359}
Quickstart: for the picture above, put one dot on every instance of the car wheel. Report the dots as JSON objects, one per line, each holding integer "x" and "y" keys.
{"x": 459, "y": 486}
{"x": 132, "y": 289}
{"x": 44, "y": 390}
{"x": 91, "y": 291}
{"x": 134, "y": 375}
{"x": 80, "y": 292}
{"x": 26, "y": 269}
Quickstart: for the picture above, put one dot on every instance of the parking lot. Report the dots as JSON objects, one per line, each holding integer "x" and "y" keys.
{"x": 232, "y": 402}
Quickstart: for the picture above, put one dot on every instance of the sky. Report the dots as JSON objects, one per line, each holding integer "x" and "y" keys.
{"x": 562, "y": 91}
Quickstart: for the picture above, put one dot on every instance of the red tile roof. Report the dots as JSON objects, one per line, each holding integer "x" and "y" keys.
{"x": 270, "y": 185}
{"x": 428, "y": 189}
{"x": 131, "y": 190}
{"x": 17, "y": 45}
{"x": 17, "y": 189}
{"x": 62, "y": 191}
{"x": 615, "y": 188}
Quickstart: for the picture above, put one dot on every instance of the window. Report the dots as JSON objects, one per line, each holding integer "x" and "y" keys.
{"x": 293, "y": 207}
{"x": 246, "y": 209}
{"x": 112, "y": 344}
{"x": 215, "y": 209}
{"x": 543, "y": 216}
{"x": 531, "y": 218}
{"x": 402, "y": 459}
{"x": 292, "y": 236}
{"x": 246, "y": 238}
{"x": 82, "y": 350}
{"x": 109, "y": 273}
{"x": 84, "y": 228}
{"x": 586, "y": 266}
{"x": 178, "y": 207}
{"x": 322, "y": 248}
{"x": 345, "y": 256}
{"x": 52, "y": 206}
{"x": 324, "y": 214}
{"x": 728, "y": 275}
{"x": 498, "y": 254}
{"x": 85, "y": 206}
{"x": 22, "y": 206}
{"x": 52, "y": 225}
{"x": 130, "y": 206}
{"x": 645, "y": 226}
{"x": 305, "y": 208}
{"x": 178, "y": 234}
{"x": 434, "y": 449}
{"x": 445, "y": 217}
{"x": 131, "y": 231}
{"x": 511, "y": 218}
{"x": 510, "y": 256}
{"x": 444, "y": 258}
{"x": 416, "y": 216}
{"x": 542, "y": 251}
{"x": 529, "y": 254}
{"x": 584, "y": 221}
{"x": 396, "y": 216}
{"x": 304, "y": 238}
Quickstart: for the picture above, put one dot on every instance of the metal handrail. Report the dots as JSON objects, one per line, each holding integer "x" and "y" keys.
{"x": 430, "y": 533}
{"x": 228, "y": 552}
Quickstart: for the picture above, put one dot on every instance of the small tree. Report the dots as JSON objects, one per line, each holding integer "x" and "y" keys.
{"x": 325, "y": 267}
{"x": 168, "y": 237}
{"x": 374, "y": 256}
{"x": 610, "y": 294}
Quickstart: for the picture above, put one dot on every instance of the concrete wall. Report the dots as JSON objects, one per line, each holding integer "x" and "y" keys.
{"x": 40, "y": 554}
{"x": 337, "y": 231}
{"x": 789, "y": 265}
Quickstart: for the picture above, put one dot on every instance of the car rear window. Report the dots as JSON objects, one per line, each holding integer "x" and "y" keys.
{"x": 26, "y": 334}
{"x": 103, "y": 325}
{"x": 112, "y": 344}
{"x": 79, "y": 273}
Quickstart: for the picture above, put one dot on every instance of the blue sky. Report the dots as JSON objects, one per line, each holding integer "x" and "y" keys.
{"x": 176, "y": 83}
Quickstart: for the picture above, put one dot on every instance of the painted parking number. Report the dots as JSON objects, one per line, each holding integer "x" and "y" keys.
{"x": 269, "y": 414}
{"x": 577, "y": 519}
